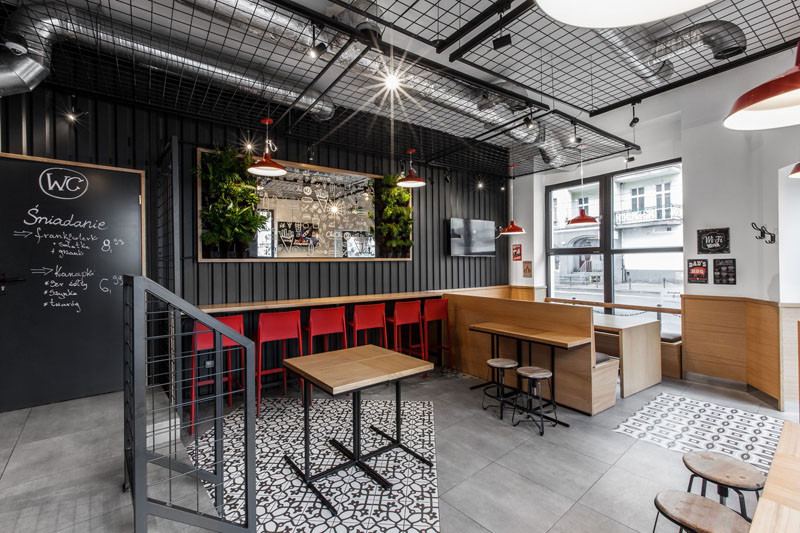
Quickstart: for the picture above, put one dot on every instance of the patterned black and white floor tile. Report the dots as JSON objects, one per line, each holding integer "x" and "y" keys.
{"x": 684, "y": 424}
{"x": 284, "y": 504}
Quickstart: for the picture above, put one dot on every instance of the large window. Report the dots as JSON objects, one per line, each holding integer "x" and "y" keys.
{"x": 634, "y": 254}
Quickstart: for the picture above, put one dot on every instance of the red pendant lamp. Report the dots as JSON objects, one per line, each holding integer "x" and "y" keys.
{"x": 512, "y": 229}
{"x": 795, "y": 173}
{"x": 773, "y": 104}
{"x": 411, "y": 180}
{"x": 266, "y": 166}
{"x": 582, "y": 219}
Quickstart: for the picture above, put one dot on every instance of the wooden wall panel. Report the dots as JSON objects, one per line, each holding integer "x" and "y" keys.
{"x": 122, "y": 134}
{"x": 763, "y": 347}
{"x": 714, "y": 337}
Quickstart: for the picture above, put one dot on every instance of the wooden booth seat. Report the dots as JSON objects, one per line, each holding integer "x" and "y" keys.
{"x": 582, "y": 382}
{"x": 671, "y": 342}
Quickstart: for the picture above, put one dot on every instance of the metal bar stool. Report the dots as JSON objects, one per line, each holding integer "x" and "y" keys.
{"x": 498, "y": 367}
{"x": 695, "y": 513}
{"x": 535, "y": 375}
{"x": 727, "y": 473}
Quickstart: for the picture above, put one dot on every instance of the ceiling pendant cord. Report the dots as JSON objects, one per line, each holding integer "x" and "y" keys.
{"x": 512, "y": 228}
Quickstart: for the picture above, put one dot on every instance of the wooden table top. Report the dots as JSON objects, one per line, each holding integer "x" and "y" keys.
{"x": 317, "y": 302}
{"x": 779, "y": 506}
{"x": 617, "y": 323}
{"x": 352, "y": 369}
{"x": 552, "y": 338}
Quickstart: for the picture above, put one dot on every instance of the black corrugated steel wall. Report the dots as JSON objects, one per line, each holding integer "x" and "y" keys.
{"x": 124, "y": 135}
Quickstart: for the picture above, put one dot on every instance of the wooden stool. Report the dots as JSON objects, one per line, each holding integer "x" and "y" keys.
{"x": 498, "y": 365}
{"x": 535, "y": 375}
{"x": 727, "y": 473}
{"x": 698, "y": 513}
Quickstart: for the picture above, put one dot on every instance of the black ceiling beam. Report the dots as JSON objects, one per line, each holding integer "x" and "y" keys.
{"x": 389, "y": 50}
{"x": 515, "y": 13}
{"x": 691, "y": 79}
{"x": 316, "y": 79}
{"x": 331, "y": 86}
{"x": 628, "y": 144}
{"x": 498, "y": 7}
{"x": 382, "y": 22}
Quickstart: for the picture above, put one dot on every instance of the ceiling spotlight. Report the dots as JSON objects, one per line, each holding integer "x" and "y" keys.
{"x": 628, "y": 158}
{"x": 480, "y": 185}
{"x": 635, "y": 120}
{"x": 502, "y": 187}
{"x": 528, "y": 123}
{"x": 392, "y": 82}
{"x": 501, "y": 42}
{"x": 317, "y": 50}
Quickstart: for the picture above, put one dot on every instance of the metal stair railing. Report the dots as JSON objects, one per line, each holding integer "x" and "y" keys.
{"x": 176, "y": 468}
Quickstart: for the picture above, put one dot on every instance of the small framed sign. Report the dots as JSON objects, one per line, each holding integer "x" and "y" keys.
{"x": 527, "y": 269}
{"x": 698, "y": 271}
{"x": 714, "y": 241}
{"x": 725, "y": 271}
{"x": 516, "y": 252}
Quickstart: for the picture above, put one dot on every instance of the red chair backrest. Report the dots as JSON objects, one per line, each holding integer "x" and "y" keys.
{"x": 369, "y": 316}
{"x": 204, "y": 337}
{"x": 326, "y": 321}
{"x": 435, "y": 310}
{"x": 279, "y": 326}
{"x": 407, "y": 312}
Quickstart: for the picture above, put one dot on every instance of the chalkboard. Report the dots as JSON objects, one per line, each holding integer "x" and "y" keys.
{"x": 68, "y": 233}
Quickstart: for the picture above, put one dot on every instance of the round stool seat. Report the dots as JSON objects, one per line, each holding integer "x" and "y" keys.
{"x": 534, "y": 372}
{"x": 699, "y": 513}
{"x": 499, "y": 362}
{"x": 724, "y": 470}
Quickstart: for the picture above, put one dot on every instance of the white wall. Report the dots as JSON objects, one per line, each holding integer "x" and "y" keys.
{"x": 523, "y": 216}
{"x": 730, "y": 178}
{"x": 788, "y": 226}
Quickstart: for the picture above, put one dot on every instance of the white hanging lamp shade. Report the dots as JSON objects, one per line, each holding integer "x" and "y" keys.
{"x": 616, "y": 13}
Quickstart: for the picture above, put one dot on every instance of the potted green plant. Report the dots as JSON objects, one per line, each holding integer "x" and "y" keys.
{"x": 395, "y": 221}
{"x": 229, "y": 213}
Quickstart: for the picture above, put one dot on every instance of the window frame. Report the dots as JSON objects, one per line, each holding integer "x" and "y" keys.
{"x": 606, "y": 212}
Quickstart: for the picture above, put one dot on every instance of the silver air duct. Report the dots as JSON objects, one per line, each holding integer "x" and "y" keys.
{"x": 42, "y": 26}
{"x": 650, "y": 59}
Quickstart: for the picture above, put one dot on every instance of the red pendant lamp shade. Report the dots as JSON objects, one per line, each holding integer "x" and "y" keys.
{"x": 773, "y": 104}
{"x": 795, "y": 173}
{"x": 411, "y": 179}
{"x": 582, "y": 219}
{"x": 512, "y": 229}
{"x": 266, "y": 166}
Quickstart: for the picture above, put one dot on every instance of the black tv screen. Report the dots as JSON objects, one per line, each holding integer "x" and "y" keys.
{"x": 470, "y": 237}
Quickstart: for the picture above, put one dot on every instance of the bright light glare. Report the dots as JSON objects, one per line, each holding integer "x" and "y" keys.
{"x": 392, "y": 82}
{"x": 334, "y": 209}
{"x": 615, "y": 13}
{"x": 480, "y": 185}
{"x": 71, "y": 117}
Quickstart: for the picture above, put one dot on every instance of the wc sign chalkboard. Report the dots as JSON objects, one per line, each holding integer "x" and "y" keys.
{"x": 714, "y": 241}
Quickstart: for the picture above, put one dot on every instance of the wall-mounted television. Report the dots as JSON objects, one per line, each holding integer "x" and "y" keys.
{"x": 470, "y": 237}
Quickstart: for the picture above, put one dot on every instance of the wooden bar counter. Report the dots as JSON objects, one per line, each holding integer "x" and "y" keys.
{"x": 779, "y": 506}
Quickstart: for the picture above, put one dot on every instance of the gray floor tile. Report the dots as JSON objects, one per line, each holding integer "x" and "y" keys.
{"x": 661, "y": 465}
{"x": 502, "y": 501}
{"x": 61, "y": 500}
{"x": 47, "y": 457}
{"x": 559, "y": 469}
{"x": 591, "y": 440}
{"x": 446, "y": 414}
{"x": 455, "y": 463}
{"x": 486, "y": 435}
{"x": 64, "y": 418}
{"x": 581, "y": 519}
{"x": 121, "y": 520}
{"x": 723, "y": 396}
{"x": 783, "y": 415}
{"x": 12, "y": 423}
{"x": 625, "y": 497}
{"x": 451, "y": 520}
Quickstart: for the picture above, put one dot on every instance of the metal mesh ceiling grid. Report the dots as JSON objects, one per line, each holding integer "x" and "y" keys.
{"x": 583, "y": 68}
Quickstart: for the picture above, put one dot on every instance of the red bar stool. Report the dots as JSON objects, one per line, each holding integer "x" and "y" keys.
{"x": 325, "y": 321}
{"x": 408, "y": 314}
{"x": 366, "y": 317}
{"x": 203, "y": 339}
{"x": 272, "y": 327}
{"x": 436, "y": 311}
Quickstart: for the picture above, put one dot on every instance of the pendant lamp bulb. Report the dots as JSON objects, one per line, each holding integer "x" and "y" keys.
{"x": 266, "y": 166}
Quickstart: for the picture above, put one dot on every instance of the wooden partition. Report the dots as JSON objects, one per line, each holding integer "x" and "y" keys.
{"x": 581, "y": 384}
{"x": 733, "y": 338}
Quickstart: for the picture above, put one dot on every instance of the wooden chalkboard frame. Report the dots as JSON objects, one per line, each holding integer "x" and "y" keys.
{"x": 102, "y": 167}
{"x": 199, "y": 225}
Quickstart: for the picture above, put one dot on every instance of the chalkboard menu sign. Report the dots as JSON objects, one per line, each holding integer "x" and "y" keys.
{"x": 68, "y": 233}
{"x": 714, "y": 241}
{"x": 725, "y": 271}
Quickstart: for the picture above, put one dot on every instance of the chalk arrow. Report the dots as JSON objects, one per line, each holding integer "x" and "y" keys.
{"x": 43, "y": 271}
{"x": 23, "y": 234}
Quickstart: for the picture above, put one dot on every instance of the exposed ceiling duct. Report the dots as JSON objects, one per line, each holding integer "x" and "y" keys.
{"x": 41, "y": 26}
{"x": 651, "y": 60}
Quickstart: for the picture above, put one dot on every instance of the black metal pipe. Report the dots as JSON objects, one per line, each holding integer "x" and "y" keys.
{"x": 482, "y": 36}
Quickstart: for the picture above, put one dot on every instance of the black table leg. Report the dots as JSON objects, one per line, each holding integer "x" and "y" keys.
{"x": 396, "y": 441}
